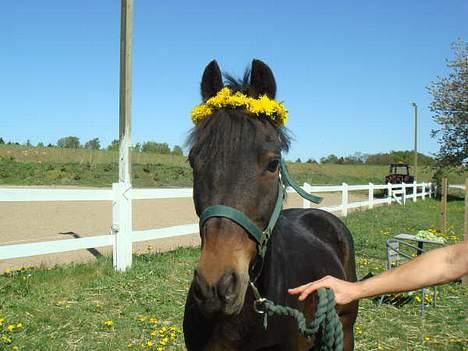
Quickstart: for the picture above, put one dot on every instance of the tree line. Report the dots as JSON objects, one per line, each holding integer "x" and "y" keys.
{"x": 386, "y": 158}
{"x": 73, "y": 142}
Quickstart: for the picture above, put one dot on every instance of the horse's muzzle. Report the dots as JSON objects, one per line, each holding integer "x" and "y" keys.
{"x": 222, "y": 297}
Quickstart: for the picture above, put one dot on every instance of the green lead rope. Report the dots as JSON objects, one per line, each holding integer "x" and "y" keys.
{"x": 326, "y": 319}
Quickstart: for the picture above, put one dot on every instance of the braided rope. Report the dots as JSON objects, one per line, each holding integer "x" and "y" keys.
{"x": 325, "y": 319}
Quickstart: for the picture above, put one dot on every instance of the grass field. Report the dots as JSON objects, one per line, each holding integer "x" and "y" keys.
{"x": 21, "y": 165}
{"x": 91, "y": 307}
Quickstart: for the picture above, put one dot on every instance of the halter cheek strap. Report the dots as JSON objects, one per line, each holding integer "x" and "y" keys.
{"x": 260, "y": 236}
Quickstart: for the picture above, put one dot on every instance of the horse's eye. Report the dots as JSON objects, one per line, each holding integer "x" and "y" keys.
{"x": 273, "y": 166}
{"x": 190, "y": 161}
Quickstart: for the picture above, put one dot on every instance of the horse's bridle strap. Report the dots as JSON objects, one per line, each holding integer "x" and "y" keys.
{"x": 235, "y": 216}
{"x": 261, "y": 237}
{"x": 287, "y": 180}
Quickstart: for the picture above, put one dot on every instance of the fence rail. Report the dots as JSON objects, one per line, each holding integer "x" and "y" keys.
{"x": 122, "y": 236}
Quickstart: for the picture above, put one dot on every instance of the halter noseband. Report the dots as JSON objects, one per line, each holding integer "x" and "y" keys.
{"x": 260, "y": 236}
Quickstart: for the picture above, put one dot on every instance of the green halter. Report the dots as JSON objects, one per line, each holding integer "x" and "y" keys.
{"x": 260, "y": 236}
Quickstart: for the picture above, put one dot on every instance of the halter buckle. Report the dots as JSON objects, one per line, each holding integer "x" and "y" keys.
{"x": 259, "y": 306}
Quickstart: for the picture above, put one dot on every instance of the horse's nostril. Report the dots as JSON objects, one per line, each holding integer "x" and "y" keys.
{"x": 227, "y": 287}
{"x": 199, "y": 287}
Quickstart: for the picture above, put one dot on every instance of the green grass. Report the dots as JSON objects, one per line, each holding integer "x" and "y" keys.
{"x": 21, "y": 165}
{"x": 65, "y": 308}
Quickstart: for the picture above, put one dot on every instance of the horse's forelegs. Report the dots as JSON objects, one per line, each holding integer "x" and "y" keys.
{"x": 348, "y": 317}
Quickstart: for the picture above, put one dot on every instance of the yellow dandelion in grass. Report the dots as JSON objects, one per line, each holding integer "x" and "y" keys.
{"x": 149, "y": 343}
{"x": 154, "y": 333}
{"x": 6, "y": 340}
{"x": 15, "y": 348}
{"x": 142, "y": 318}
{"x": 7, "y": 270}
{"x": 426, "y": 338}
{"x": 19, "y": 325}
{"x": 11, "y": 327}
{"x": 153, "y": 320}
{"x": 109, "y": 323}
{"x": 160, "y": 348}
{"x": 1, "y": 321}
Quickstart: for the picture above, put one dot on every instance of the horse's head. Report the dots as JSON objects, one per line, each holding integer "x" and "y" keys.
{"x": 235, "y": 159}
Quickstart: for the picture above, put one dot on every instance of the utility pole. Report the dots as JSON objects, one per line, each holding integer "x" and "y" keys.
{"x": 122, "y": 204}
{"x": 415, "y": 141}
{"x": 125, "y": 100}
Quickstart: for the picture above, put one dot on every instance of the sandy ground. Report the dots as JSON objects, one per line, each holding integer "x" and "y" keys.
{"x": 23, "y": 222}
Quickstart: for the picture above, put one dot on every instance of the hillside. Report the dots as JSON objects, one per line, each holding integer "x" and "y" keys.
{"x": 22, "y": 165}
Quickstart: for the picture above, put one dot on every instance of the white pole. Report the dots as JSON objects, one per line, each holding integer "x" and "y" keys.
{"x": 403, "y": 185}
{"x": 415, "y": 191}
{"x": 344, "y": 200}
{"x": 371, "y": 195}
{"x": 123, "y": 241}
{"x": 389, "y": 193}
{"x": 423, "y": 191}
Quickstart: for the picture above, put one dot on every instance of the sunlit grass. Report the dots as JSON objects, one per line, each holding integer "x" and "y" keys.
{"x": 91, "y": 307}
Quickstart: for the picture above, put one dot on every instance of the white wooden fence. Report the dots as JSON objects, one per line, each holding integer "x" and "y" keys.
{"x": 122, "y": 236}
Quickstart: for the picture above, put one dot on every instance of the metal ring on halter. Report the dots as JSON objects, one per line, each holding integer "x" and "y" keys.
{"x": 257, "y": 304}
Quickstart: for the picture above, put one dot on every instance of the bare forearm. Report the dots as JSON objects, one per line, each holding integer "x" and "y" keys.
{"x": 434, "y": 267}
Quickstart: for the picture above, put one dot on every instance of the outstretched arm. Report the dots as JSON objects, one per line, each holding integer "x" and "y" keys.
{"x": 431, "y": 268}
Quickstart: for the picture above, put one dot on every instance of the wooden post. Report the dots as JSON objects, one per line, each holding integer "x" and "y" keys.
{"x": 465, "y": 278}
{"x": 371, "y": 195}
{"x": 125, "y": 100}
{"x": 122, "y": 202}
{"x": 344, "y": 200}
{"x": 443, "y": 206}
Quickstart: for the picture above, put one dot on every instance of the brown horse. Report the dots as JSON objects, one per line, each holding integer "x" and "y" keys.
{"x": 236, "y": 160}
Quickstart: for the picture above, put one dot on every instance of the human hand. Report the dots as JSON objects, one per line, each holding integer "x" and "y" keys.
{"x": 345, "y": 291}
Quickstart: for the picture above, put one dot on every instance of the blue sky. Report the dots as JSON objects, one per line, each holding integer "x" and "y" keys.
{"x": 346, "y": 70}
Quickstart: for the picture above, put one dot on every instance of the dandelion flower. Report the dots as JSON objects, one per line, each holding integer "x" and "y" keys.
{"x": 109, "y": 323}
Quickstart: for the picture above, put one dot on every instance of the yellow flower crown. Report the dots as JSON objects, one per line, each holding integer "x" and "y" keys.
{"x": 263, "y": 106}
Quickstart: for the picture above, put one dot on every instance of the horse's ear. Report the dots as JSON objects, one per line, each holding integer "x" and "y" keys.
{"x": 212, "y": 81}
{"x": 262, "y": 80}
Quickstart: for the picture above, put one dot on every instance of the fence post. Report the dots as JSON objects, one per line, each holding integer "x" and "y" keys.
{"x": 306, "y": 203}
{"x": 403, "y": 195}
{"x": 465, "y": 278}
{"x": 344, "y": 200}
{"x": 443, "y": 207}
{"x": 430, "y": 189}
{"x": 423, "y": 191}
{"x": 122, "y": 226}
{"x": 389, "y": 193}
{"x": 415, "y": 191}
{"x": 371, "y": 195}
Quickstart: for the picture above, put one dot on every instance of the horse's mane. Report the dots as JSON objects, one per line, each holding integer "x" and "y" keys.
{"x": 228, "y": 129}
